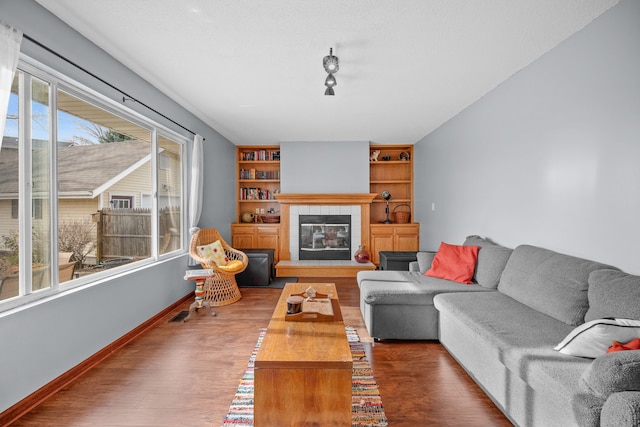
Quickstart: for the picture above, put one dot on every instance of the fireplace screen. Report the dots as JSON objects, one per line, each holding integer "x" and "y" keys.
{"x": 325, "y": 237}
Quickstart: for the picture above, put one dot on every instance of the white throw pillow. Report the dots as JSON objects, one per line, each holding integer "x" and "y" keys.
{"x": 592, "y": 339}
{"x": 213, "y": 252}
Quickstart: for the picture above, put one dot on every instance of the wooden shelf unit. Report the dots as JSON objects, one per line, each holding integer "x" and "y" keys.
{"x": 395, "y": 176}
{"x": 257, "y": 179}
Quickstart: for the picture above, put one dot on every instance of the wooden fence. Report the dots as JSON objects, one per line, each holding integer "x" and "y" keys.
{"x": 126, "y": 233}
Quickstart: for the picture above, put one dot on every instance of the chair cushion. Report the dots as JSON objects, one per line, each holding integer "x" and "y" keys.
{"x": 232, "y": 266}
{"x": 213, "y": 252}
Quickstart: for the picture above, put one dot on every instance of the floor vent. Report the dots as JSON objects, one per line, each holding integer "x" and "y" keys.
{"x": 179, "y": 317}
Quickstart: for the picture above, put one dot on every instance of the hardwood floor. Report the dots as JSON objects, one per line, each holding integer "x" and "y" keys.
{"x": 185, "y": 374}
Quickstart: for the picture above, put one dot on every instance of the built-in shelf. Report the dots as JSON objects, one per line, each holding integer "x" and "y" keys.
{"x": 394, "y": 176}
{"x": 253, "y": 193}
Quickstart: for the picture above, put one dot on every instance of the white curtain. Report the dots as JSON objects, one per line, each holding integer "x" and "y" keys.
{"x": 10, "y": 39}
{"x": 195, "y": 195}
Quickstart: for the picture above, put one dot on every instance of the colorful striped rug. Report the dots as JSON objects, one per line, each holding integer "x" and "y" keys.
{"x": 367, "y": 406}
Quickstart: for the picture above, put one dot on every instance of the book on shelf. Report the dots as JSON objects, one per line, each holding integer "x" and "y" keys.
{"x": 251, "y": 193}
{"x": 256, "y": 174}
{"x": 260, "y": 155}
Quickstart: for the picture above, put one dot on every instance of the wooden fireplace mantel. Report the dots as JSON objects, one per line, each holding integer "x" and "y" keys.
{"x": 288, "y": 199}
{"x": 325, "y": 199}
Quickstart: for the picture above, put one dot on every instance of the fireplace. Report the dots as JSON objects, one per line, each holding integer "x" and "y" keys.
{"x": 292, "y": 206}
{"x": 324, "y": 237}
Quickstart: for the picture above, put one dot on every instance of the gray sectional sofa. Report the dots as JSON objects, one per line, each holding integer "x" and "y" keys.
{"x": 504, "y": 327}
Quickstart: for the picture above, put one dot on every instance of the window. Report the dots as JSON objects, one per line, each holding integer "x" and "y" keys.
{"x": 36, "y": 211}
{"x": 121, "y": 202}
{"x": 169, "y": 194}
{"x": 92, "y": 204}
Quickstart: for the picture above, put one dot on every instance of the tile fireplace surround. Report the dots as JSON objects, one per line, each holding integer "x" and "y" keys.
{"x": 293, "y": 205}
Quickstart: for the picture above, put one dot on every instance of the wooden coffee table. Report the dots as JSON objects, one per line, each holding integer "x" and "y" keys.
{"x": 303, "y": 369}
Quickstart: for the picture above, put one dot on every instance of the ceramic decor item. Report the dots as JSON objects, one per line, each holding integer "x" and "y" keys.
{"x": 247, "y": 217}
{"x": 362, "y": 255}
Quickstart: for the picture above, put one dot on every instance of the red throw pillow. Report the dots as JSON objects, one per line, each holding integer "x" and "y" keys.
{"x": 453, "y": 262}
{"x": 634, "y": 344}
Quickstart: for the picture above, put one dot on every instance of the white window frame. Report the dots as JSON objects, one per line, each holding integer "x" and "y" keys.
{"x": 122, "y": 196}
{"x": 57, "y": 82}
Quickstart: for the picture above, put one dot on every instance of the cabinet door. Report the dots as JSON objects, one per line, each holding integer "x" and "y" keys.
{"x": 407, "y": 239}
{"x": 243, "y": 241}
{"x": 268, "y": 241}
{"x": 381, "y": 240}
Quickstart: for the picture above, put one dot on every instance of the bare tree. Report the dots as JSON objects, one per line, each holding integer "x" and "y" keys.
{"x": 102, "y": 134}
{"x": 77, "y": 236}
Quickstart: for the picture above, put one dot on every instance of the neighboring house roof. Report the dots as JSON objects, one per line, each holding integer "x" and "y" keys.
{"x": 84, "y": 171}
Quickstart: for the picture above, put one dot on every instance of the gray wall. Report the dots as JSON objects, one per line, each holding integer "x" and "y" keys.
{"x": 324, "y": 167}
{"x": 44, "y": 340}
{"x": 551, "y": 157}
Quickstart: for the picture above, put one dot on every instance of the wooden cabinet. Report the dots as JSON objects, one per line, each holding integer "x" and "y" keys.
{"x": 393, "y": 237}
{"x": 252, "y": 236}
{"x": 393, "y": 175}
{"x": 258, "y": 179}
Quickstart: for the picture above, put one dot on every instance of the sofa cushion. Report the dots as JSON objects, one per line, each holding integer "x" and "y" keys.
{"x": 454, "y": 262}
{"x": 621, "y": 410}
{"x": 593, "y": 338}
{"x": 522, "y": 337}
{"x": 424, "y": 260}
{"x": 418, "y": 290}
{"x": 492, "y": 258}
{"x": 385, "y": 276}
{"x": 612, "y": 373}
{"x": 613, "y": 293}
{"x": 552, "y": 283}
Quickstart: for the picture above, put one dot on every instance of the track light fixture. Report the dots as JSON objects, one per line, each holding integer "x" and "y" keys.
{"x": 330, "y": 62}
{"x": 331, "y": 65}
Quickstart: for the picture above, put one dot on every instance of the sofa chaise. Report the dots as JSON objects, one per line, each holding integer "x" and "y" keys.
{"x": 532, "y": 329}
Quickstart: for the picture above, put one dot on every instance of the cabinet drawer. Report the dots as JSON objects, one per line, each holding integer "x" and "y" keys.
{"x": 268, "y": 229}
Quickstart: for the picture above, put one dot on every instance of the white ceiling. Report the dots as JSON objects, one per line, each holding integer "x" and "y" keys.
{"x": 252, "y": 69}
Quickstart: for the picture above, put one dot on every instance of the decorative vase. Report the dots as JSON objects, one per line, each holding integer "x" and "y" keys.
{"x": 247, "y": 217}
{"x": 362, "y": 255}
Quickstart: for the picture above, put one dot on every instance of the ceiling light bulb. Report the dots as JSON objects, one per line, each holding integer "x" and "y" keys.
{"x": 330, "y": 81}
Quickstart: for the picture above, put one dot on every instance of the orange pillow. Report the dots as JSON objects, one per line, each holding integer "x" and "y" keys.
{"x": 634, "y": 344}
{"x": 453, "y": 262}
